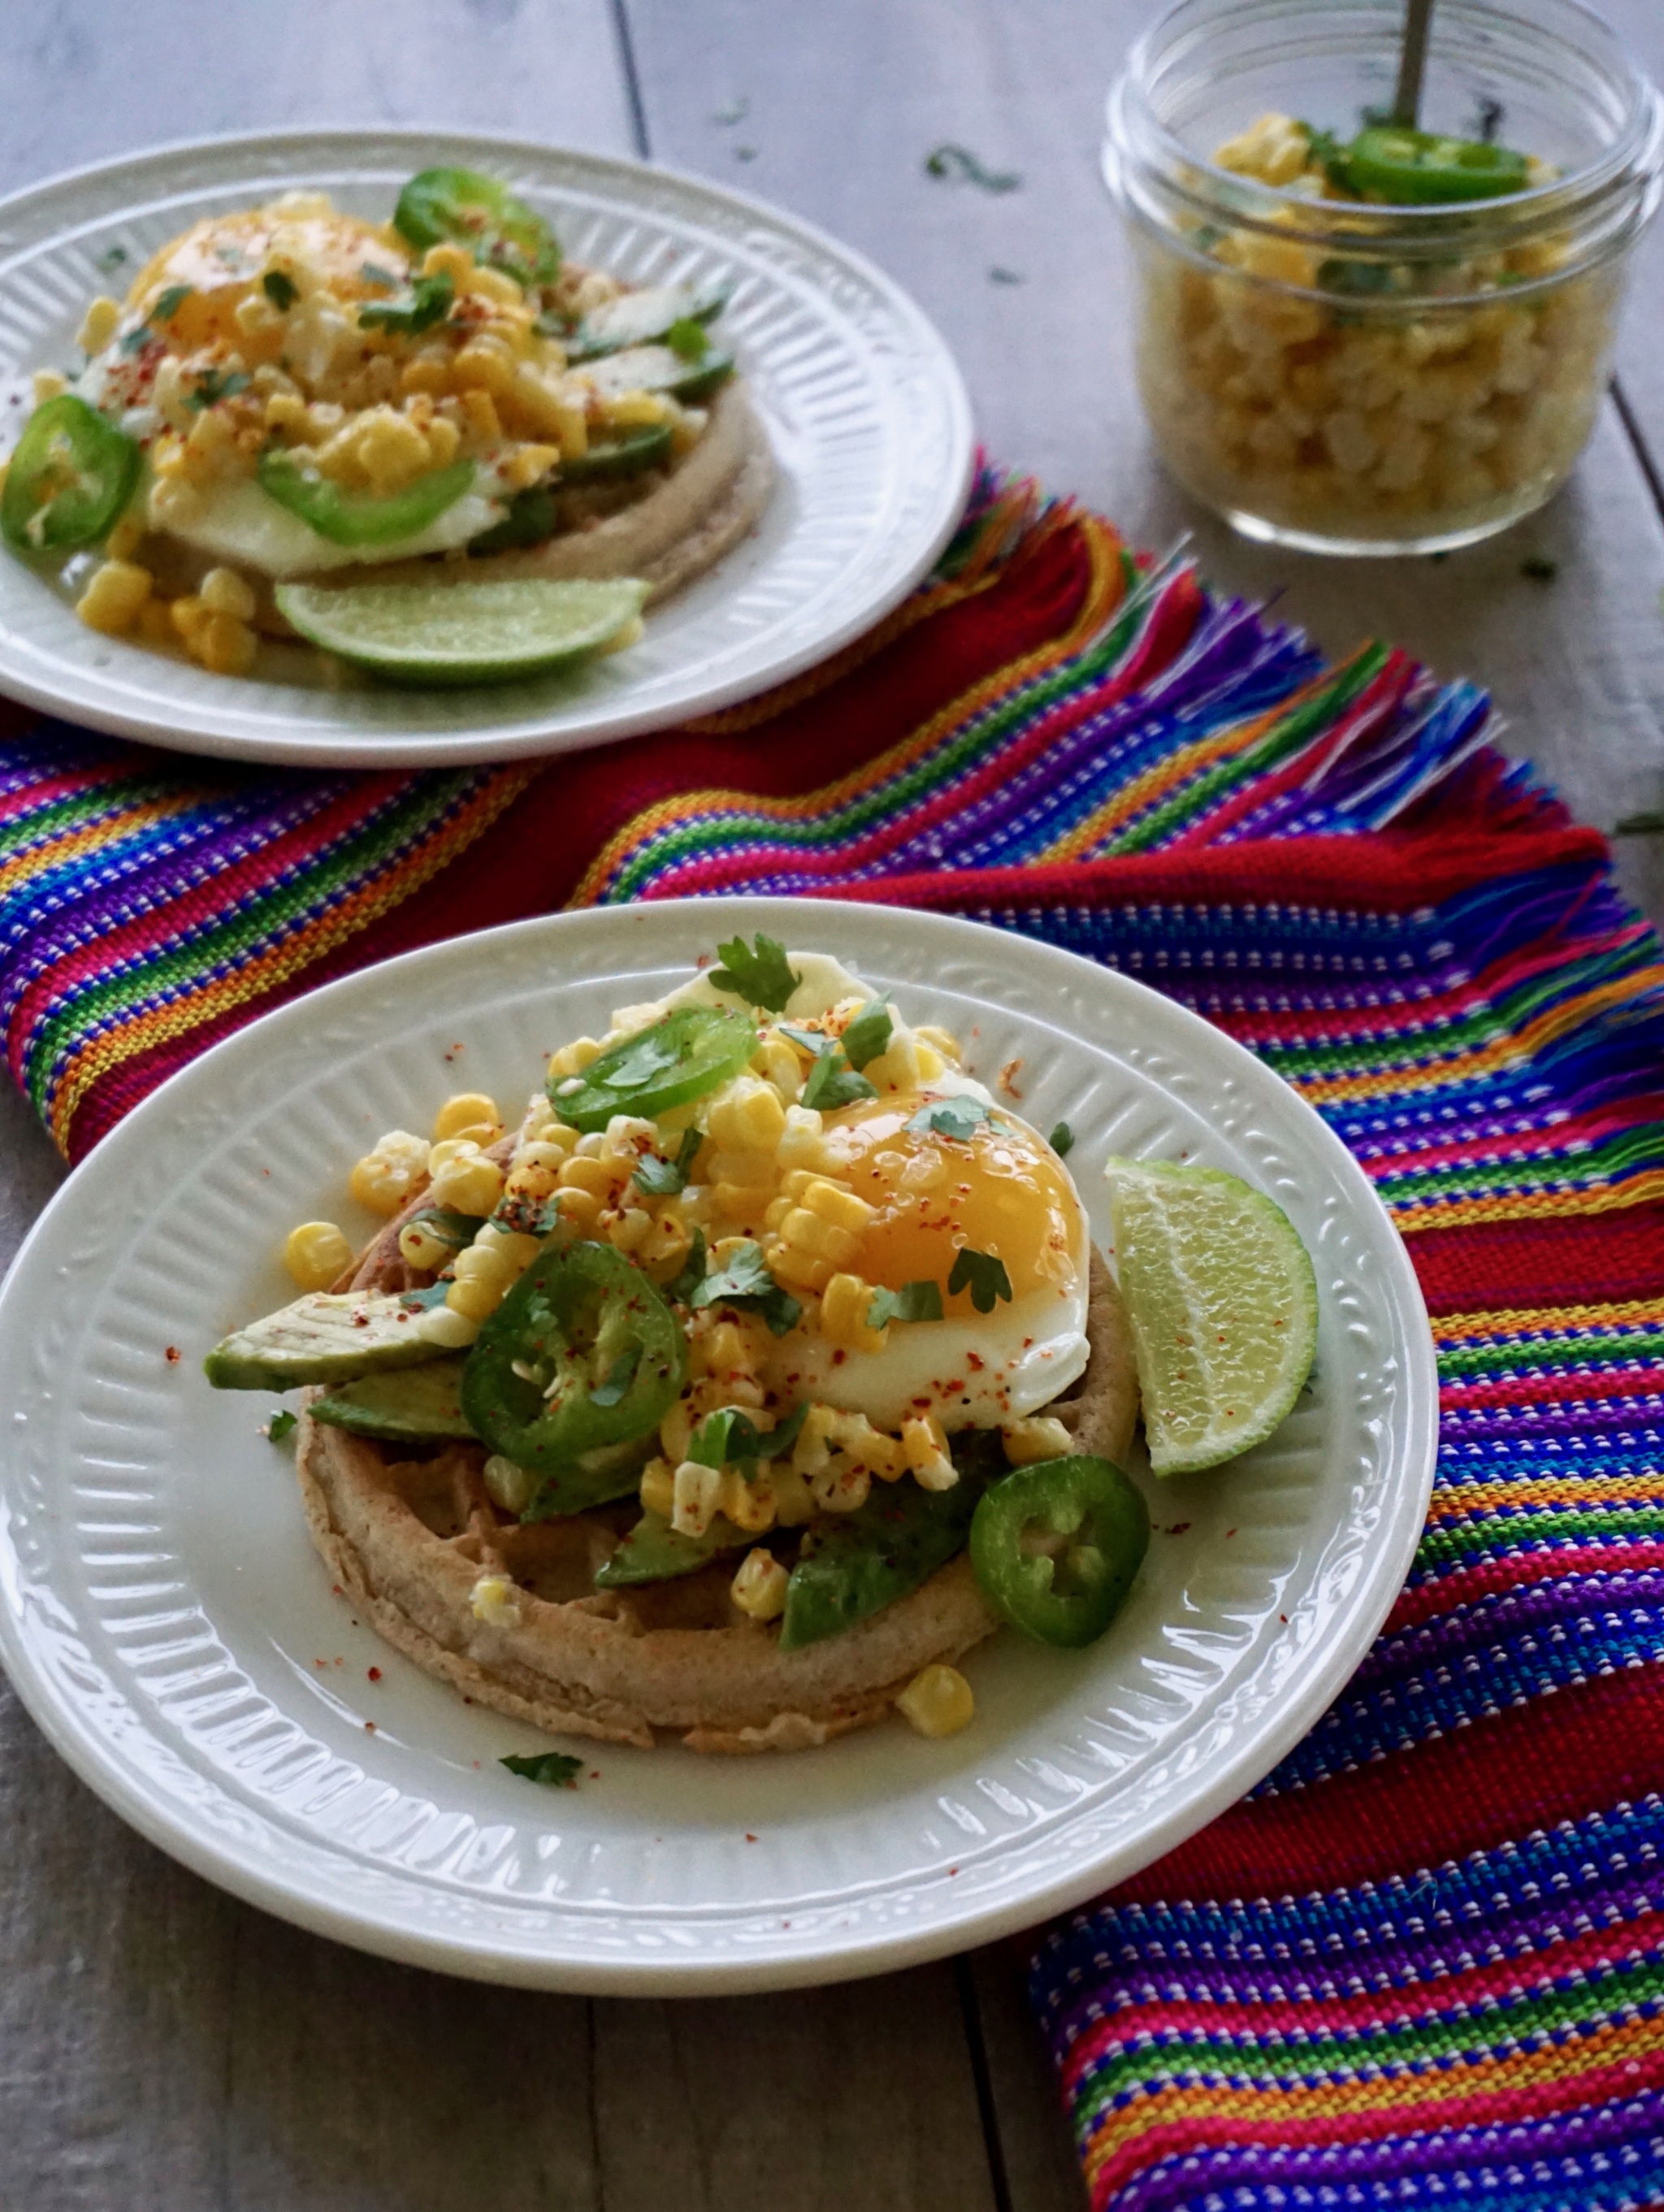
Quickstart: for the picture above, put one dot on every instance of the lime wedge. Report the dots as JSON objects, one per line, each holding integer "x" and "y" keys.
{"x": 1223, "y": 1304}
{"x": 484, "y": 630}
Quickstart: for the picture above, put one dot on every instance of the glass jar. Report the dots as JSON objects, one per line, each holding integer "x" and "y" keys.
{"x": 1352, "y": 377}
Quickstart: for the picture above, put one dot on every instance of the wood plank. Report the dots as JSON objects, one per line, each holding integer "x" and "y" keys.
{"x": 824, "y": 2100}
{"x": 1577, "y": 666}
{"x": 1640, "y": 356}
{"x": 84, "y": 80}
{"x": 352, "y": 2083}
{"x": 1036, "y": 2148}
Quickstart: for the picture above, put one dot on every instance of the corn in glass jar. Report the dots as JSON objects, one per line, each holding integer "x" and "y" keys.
{"x": 1327, "y": 363}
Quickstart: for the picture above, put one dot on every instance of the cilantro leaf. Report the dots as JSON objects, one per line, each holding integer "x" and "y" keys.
{"x": 169, "y": 303}
{"x": 664, "y": 1178}
{"x": 746, "y": 1282}
{"x": 280, "y": 1426}
{"x": 869, "y": 1034}
{"x": 959, "y": 165}
{"x": 833, "y": 1083}
{"x": 280, "y": 288}
{"x": 730, "y": 1437}
{"x": 687, "y": 340}
{"x": 1062, "y": 1139}
{"x": 692, "y": 1271}
{"x": 429, "y": 303}
{"x": 216, "y": 384}
{"x": 620, "y": 1376}
{"x": 916, "y": 1301}
{"x": 983, "y": 1276}
{"x": 950, "y": 1117}
{"x": 556, "y": 1770}
{"x": 763, "y": 978}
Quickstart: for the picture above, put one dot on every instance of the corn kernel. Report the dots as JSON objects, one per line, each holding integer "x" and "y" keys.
{"x": 814, "y": 1237}
{"x": 630, "y": 1232}
{"x": 676, "y": 1434}
{"x": 529, "y": 464}
{"x": 483, "y": 1263}
{"x": 938, "y": 1701}
{"x": 1037, "y": 1438}
{"x": 420, "y": 1247}
{"x": 450, "y": 260}
{"x": 285, "y": 411}
{"x": 474, "y": 1298}
{"x": 658, "y": 1488}
{"x": 697, "y": 1496}
{"x": 390, "y": 1171}
{"x": 595, "y": 1177}
{"x": 798, "y": 1270}
{"x": 759, "y": 1588}
{"x": 748, "y": 1505}
{"x": 114, "y": 593}
{"x": 470, "y": 1183}
{"x": 517, "y": 1249}
{"x": 572, "y": 1058}
{"x": 924, "y": 1445}
{"x": 48, "y": 384}
{"x": 843, "y": 1313}
{"x": 315, "y": 1254}
{"x": 508, "y": 1484}
{"x": 463, "y": 1110}
{"x": 444, "y": 1327}
{"x": 581, "y": 1210}
{"x": 779, "y": 1066}
{"x": 98, "y": 324}
{"x": 801, "y": 1146}
{"x": 494, "y": 1600}
{"x": 224, "y": 591}
{"x": 748, "y": 1116}
{"x": 125, "y": 537}
{"x": 224, "y": 645}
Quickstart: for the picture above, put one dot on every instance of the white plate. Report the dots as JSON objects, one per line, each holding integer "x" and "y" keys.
{"x": 167, "y": 1621}
{"x": 864, "y": 406}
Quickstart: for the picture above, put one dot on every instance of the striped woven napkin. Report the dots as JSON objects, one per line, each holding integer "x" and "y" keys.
{"x": 1423, "y": 1963}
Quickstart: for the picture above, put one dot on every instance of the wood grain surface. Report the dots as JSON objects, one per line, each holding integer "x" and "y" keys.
{"x": 162, "y": 2045}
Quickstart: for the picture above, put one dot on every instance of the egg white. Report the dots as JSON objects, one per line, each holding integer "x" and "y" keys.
{"x": 240, "y": 524}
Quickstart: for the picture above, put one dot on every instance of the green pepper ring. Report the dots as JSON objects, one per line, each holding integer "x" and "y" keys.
{"x": 582, "y": 1451}
{"x": 479, "y": 212}
{"x": 346, "y": 517}
{"x": 707, "y": 1044}
{"x": 104, "y": 466}
{"x": 1416, "y": 168}
{"x": 1104, "y": 1525}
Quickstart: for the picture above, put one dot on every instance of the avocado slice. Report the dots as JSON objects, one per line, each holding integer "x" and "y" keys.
{"x": 419, "y": 1402}
{"x": 660, "y": 369}
{"x": 646, "y": 447}
{"x": 328, "y": 1336}
{"x": 653, "y": 1552}
{"x": 638, "y": 318}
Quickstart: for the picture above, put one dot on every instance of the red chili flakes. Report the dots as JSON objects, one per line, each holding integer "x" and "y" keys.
{"x": 1284, "y": 1618}
{"x": 1175, "y": 1528}
{"x": 977, "y": 1362}
{"x": 370, "y": 1725}
{"x": 750, "y": 1838}
{"x": 1230, "y": 1532}
{"x": 172, "y": 1355}
{"x": 1008, "y": 1076}
{"x": 373, "y": 1673}
{"x": 320, "y": 1662}
{"x": 336, "y": 1590}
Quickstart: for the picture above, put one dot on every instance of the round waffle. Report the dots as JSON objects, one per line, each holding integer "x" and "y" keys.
{"x": 409, "y": 1537}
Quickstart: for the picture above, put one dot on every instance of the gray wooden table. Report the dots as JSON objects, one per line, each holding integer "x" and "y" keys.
{"x": 161, "y": 2045}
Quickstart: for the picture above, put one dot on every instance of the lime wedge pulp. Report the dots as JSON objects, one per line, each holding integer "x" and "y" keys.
{"x": 475, "y": 631}
{"x": 1223, "y": 1304}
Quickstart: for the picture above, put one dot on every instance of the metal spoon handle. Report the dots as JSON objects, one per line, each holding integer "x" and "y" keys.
{"x": 1413, "y": 62}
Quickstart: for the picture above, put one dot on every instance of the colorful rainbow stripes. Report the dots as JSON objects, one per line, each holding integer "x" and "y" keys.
{"x": 1421, "y": 1964}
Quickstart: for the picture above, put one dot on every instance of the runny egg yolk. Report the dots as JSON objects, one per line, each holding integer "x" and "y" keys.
{"x": 1001, "y": 1191}
{"x": 222, "y": 260}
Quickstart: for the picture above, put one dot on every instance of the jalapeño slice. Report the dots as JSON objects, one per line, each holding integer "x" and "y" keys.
{"x": 72, "y": 474}
{"x": 678, "y": 1059}
{"x": 1055, "y": 1547}
{"x": 578, "y": 1365}
{"x": 1420, "y": 169}
{"x": 349, "y": 518}
{"x": 478, "y": 212}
